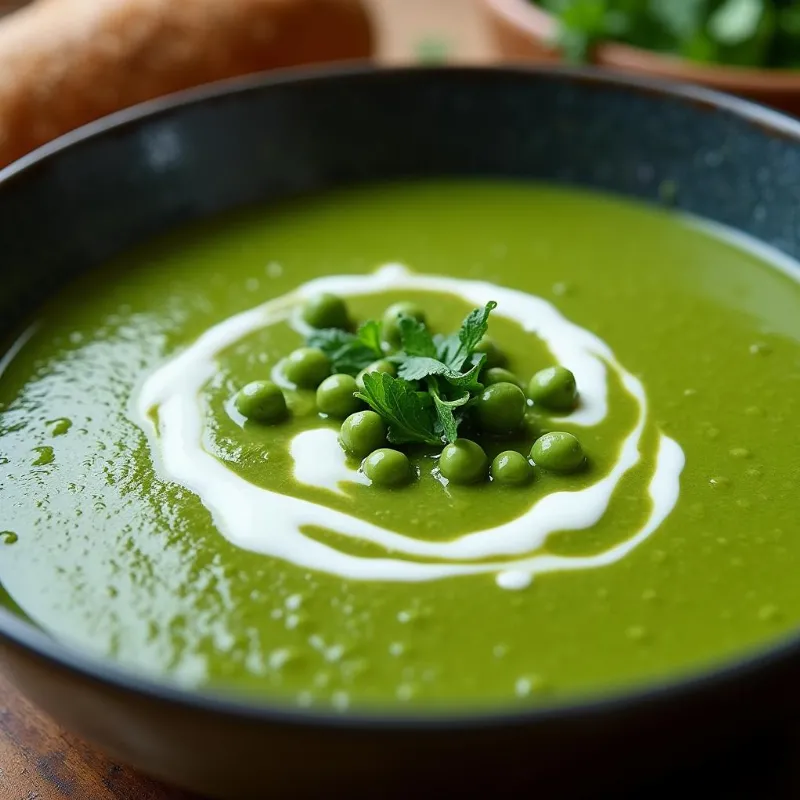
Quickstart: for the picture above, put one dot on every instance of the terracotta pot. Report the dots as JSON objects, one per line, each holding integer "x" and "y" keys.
{"x": 523, "y": 31}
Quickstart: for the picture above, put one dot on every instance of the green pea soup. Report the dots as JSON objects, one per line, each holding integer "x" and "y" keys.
{"x": 281, "y": 572}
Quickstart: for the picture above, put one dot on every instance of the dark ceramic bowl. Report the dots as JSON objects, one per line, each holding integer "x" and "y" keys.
{"x": 85, "y": 198}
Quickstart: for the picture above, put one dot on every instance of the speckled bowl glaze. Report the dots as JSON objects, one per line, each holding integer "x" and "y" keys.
{"x": 524, "y": 31}
{"x": 85, "y": 198}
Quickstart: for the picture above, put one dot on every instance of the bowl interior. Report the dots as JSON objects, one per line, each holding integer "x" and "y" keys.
{"x": 180, "y": 160}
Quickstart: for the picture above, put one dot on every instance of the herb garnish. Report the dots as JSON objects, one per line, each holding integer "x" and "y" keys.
{"x": 349, "y": 352}
{"x": 437, "y": 376}
{"x": 408, "y": 412}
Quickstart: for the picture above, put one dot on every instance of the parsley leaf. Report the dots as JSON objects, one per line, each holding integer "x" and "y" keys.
{"x": 474, "y": 328}
{"x": 416, "y": 338}
{"x": 369, "y": 334}
{"x": 409, "y": 414}
{"x": 470, "y": 379}
{"x": 437, "y": 376}
{"x": 444, "y": 409}
{"x": 417, "y": 367}
{"x": 447, "y": 347}
{"x": 329, "y": 340}
{"x": 349, "y": 352}
{"x": 454, "y": 350}
{"x": 444, "y": 356}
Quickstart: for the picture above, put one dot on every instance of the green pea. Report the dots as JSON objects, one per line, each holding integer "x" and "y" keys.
{"x": 307, "y": 367}
{"x": 500, "y": 408}
{"x": 391, "y": 320}
{"x": 261, "y": 401}
{"x": 376, "y": 366}
{"x": 463, "y": 462}
{"x": 511, "y": 468}
{"x": 326, "y": 311}
{"x": 554, "y": 388}
{"x": 362, "y": 433}
{"x": 495, "y": 357}
{"x": 499, "y": 375}
{"x": 558, "y": 452}
{"x": 387, "y": 467}
{"x": 335, "y": 396}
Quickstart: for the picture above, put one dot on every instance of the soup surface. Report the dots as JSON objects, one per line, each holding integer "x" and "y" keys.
{"x": 144, "y": 520}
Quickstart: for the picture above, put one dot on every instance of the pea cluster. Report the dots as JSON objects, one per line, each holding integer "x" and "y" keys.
{"x": 498, "y": 411}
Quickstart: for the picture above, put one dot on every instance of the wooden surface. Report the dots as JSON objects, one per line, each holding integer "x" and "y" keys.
{"x": 38, "y": 760}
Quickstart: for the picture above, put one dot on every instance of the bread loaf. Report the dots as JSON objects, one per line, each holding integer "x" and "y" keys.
{"x": 64, "y": 63}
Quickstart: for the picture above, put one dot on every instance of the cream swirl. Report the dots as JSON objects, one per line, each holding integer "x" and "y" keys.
{"x": 271, "y": 523}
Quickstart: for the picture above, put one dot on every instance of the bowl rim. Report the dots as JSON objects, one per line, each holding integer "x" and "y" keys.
{"x": 528, "y": 17}
{"x": 34, "y": 641}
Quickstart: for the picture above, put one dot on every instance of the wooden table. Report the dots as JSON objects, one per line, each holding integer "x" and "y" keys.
{"x": 40, "y": 761}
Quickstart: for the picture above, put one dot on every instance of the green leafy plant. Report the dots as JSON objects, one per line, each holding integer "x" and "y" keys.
{"x": 349, "y": 352}
{"x": 753, "y": 33}
{"x": 437, "y": 376}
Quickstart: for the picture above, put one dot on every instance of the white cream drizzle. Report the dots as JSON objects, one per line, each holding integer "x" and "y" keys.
{"x": 320, "y": 461}
{"x": 271, "y": 523}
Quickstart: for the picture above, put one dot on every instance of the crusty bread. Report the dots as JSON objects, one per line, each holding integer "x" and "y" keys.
{"x": 64, "y": 63}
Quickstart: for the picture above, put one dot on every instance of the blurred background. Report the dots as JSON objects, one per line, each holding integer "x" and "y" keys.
{"x": 409, "y": 30}
{"x": 64, "y": 63}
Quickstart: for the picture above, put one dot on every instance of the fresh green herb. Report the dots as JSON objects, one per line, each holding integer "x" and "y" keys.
{"x": 445, "y": 356}
{"x": 454, "y": 350}
{"x": 330, "y": 340}
{"x": 416, "y": 339}
{"x": 447, "y": 420}
{"x": 437, "y": 378}
{"x": 349, "y": 353}
{"x": 754, "y": 33}
{"x": 416, "y": 368}
{"x": 408, "y": 412}
{"x": 369, "y": 334}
